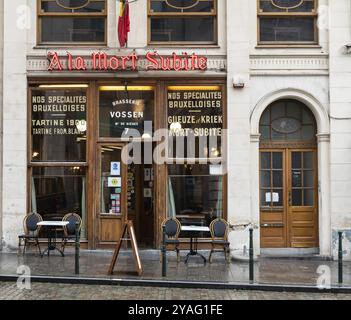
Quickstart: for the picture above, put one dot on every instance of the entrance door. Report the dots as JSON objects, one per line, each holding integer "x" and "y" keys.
{"x": 140, "y": 194}
{"x": 288, "y": 198}
{"x": 112, "y": 194}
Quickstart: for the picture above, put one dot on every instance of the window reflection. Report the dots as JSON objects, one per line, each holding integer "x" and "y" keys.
{"x": 57, "y": 191}
{"x": 195, "y": 196}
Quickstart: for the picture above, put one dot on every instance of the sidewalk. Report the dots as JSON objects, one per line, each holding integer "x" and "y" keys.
{"x": 282, "y": 274}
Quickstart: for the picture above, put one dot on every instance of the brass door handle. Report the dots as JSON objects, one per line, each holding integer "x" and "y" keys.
{"x": 290, "y": 200}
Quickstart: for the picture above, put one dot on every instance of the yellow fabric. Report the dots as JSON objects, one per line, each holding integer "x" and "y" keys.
{"x": 122, "y": 8}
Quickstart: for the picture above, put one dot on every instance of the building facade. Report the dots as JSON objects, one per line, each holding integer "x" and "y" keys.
{"x": 267, "y": 79}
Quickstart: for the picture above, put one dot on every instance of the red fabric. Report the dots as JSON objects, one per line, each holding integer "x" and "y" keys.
{"x": 124, "y": 26}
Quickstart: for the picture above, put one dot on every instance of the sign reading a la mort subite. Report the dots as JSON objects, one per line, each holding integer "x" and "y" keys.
{"x": 100, "y": 61}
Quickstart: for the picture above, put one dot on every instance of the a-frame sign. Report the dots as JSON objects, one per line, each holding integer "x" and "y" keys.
{"x": 128, "y": 235}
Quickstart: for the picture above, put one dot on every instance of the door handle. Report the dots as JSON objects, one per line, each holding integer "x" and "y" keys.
{"x": 290, "y": 201}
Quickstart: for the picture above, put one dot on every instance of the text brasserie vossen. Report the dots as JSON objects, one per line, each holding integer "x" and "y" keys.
{"x": 100, "y": 61}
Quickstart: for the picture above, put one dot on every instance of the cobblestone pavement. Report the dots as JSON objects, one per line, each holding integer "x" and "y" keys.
{"x": 49, "y": 291}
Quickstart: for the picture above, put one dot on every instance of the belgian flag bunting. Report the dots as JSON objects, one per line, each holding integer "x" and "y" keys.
{"x": 123, "y": 23}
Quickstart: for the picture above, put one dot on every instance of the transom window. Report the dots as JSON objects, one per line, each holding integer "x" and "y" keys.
{"x": 287, "y": 21}
{"x": 72, "y": 21}
{"x": 287, "y": 120}
{"x": 182, "y": 21}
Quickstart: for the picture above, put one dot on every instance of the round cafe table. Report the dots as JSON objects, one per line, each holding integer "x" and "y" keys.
{"x": 51, "y": 227}
{"x": 194, "y": 231}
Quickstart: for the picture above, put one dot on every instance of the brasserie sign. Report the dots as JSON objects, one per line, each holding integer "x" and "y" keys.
{"x": 101, "y": 61}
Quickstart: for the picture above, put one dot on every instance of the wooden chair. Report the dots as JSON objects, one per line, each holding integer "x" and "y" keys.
{"x": 69, "y": 231}
{"x": 219, "y": 229}
{"x": 31, "y": 232}
{"x": 172, "y": 230}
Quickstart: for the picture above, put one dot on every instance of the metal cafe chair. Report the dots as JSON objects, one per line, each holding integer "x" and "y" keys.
{"x": 31, "y": 232}
{"x": 69, "y": 231}
{"x": 219, "y": 229}
{"x": 172, "y": 230}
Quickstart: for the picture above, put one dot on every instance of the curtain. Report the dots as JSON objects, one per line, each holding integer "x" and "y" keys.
{"x": 103, "y": 208}
{"x": 219, "y": 205}
{"x": 84, "y": 212}
{"x": 34, "y": 197}
{"x": 170, "y": 203}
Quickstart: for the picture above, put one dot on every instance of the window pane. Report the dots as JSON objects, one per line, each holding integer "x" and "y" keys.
{"x": 265, "y": 198}
{"x": 265, "y": 160}
{"x": 195, "y": 197}
{"x": 265, "y": 132}
{"x": 181, "y": 6}
{"x": 277, "y": 179}
{"x": 308, "y": 133}
{"x": 296, "y": 160}
{"x": 110, "y": 197}
{"x": 308, "y": 160}
{"x": 68, "y": 6}
{"x": 277, "y": 198}
{"x": 308, "y": 179}
{"x": 126, "y": 113}
{"x": 287, "y": 5}
{"x": 265, "y": 119}
{"x": 265, "y": 179}
{"x": 297, "y": 197}
{"x": 59, "y": 128}
{"x": 183, "y": 29}
{"x": 296, "y": 178}
{"x": 59, "y": 191}
{"x": 69, "y": 29}
{"x": 290, "y": 29}
{"x": 277, "y": 160}
{"x": 195, "y": 122}
{"x": 308, "y": 197}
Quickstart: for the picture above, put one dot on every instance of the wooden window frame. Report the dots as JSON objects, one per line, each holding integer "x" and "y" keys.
{"x": 287, "y": 15}
{"x": 94, "y": 141}
{"x": 51, "y": 164}
{"x": 41, "y": 14}
{"x": 187, "y": 15}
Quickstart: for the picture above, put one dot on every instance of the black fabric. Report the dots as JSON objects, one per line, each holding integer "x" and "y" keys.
{"x": 171, "y": 228}
{"x": 31, "y": 222}
{"x": 71, "y": 227}
{"x": 219, "y": 229}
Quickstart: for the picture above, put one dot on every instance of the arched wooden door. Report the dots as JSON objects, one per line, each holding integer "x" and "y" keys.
{"x": 288, "y": 177}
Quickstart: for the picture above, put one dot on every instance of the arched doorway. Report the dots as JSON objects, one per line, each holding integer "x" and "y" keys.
{"x": 288, "y": 176}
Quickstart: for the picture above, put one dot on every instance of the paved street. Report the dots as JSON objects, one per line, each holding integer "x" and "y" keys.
{"x": 44, "y": 291}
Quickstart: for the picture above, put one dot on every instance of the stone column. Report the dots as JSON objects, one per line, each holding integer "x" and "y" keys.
{"x": 255, "y": 187}
{"x": 324, "y": 194}
{"x": 1, "y": 106}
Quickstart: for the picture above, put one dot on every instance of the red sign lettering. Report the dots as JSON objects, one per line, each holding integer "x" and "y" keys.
{"x": 100, "y": 61}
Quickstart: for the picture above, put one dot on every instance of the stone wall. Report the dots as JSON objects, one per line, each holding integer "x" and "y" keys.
{"x": 17, "y": 25}
{"x": 340, "y": 122}
{"x": 1, "y": 106}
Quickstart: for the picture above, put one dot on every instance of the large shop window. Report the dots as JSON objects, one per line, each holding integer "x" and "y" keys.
{"x": 287, "y": 21}
{"x": 179, "y": 21}
{"x": 126, "y": 111}
{"x": 59, "y": 125}
{"x": 57, "y": 191}
{"x": 196, "y": 123}
{"x": 58, "y": 151}
{"x": 72, "y": 21}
